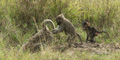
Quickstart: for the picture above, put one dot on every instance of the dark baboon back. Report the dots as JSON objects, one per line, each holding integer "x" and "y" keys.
{"x": 91, "y": 31}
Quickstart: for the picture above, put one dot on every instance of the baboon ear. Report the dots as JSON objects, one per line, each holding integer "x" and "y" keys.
{"x": 88, "y": 24}
{"x": 63, "y": 13}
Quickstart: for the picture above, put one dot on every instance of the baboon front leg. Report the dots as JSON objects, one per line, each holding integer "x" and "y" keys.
{"x": 58, "y": 29}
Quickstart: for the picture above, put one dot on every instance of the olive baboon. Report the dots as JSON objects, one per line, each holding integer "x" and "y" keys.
{"x": 66, "y": 26}
{"x": 44, "y": 35}
{"x": 91, "y": 31}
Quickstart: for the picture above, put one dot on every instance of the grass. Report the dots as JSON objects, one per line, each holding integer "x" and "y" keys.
{"x": 17, "y": 26}
{"x": 48, "y": 54}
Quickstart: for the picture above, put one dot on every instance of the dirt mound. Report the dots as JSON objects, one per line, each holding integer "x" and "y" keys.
{"x": 98, "y": 48}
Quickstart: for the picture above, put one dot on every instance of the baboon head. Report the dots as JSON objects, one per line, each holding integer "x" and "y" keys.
{"x": 85, "y": 24}
{"x": 60, "y": 18}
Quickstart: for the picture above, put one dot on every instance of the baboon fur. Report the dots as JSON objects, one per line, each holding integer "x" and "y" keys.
{"x": 91, "y": 31}
{"x": 64, "y": 25}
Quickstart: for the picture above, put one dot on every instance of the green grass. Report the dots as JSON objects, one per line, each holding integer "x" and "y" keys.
{"x": 48, "y": 54}
{"x": 17, "y": 26}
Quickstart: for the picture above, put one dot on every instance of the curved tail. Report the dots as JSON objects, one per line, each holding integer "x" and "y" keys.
{"x": 46, "y": 21}
{"x": 104, "y": 32}
{"x": 79, "y": 37}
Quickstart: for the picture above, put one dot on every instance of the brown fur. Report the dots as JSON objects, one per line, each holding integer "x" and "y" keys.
{"x": 91, "y": 31}
{"x": 42, "y": 36}
{"x": 64, "y": 25}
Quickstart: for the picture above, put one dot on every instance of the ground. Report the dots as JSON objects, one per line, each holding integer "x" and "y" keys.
{"x": 96, "y": 48}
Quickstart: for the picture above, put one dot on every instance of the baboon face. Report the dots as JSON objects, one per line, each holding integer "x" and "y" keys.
{"x": 60, "y": 19}
{"x": 85, "y": 25}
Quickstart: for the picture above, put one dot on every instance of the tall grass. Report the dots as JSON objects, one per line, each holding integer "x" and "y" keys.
{"x": 17, "y": 25}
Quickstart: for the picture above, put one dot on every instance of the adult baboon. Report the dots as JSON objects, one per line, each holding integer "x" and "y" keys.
{"x": 42, "y": 36}
{"x": 91, "y": 31}
{"x": 66, "y": 26}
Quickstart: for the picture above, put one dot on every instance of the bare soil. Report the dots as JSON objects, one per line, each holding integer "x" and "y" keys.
{"x": 97, "y": 48}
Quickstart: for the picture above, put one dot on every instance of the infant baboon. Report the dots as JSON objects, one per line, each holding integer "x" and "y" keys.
{"x": 66, "y": 26}
{"x": 43, "y": 36}
{"x": 91, "y": 31}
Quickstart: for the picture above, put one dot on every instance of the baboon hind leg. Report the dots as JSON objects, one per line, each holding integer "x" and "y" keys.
{"x": 70, "y": 39}
{"x": 92, "y": 39}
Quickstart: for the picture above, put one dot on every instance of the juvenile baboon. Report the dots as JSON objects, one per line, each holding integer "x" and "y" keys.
{"x": 91, "y": 31}
{"x": 42, "y": 36}
{"x": 64, "y": 25}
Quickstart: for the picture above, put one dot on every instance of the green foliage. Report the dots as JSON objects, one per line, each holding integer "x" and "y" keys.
{"x": 17, "y": 25}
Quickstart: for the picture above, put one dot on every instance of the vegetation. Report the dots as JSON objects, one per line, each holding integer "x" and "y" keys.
{"x": 17, "y": 26}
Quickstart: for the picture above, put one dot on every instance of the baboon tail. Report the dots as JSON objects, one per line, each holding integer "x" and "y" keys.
{"x": 104, "y": 32}
{"x": 46, "y": 21}
{"x": 79, "y": 37}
